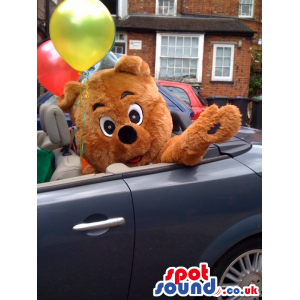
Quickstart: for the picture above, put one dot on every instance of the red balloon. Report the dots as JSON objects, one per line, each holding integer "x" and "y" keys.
{"x": 52, "y": 71}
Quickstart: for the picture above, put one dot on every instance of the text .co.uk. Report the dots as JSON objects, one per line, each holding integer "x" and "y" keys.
{"x": 197, "y": 282}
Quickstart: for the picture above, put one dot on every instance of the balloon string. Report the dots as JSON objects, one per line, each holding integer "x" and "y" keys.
{"x": 82, "y": 97}
{"x": 82, "y": 136}
{"x": 79, "y": 104}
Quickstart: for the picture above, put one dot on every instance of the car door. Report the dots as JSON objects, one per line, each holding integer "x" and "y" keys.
{"x": 90, "y": 264}
{"x": 179, "y": 212}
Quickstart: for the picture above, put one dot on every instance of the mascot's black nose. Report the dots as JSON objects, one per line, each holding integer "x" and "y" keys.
{"x": 127, "y": 134}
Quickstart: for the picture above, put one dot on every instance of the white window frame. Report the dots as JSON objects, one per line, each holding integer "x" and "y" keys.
{"x": 222, "y": 78}
{"x": 123, "y": 41}
{"x": 250, "y": 16}
{"x": 200, "y": 54}
{"x": 157, "y": 9}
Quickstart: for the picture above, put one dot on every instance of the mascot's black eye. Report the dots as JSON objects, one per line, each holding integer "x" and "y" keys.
{"x": 135, "y": 114}
{"x": 107, "y": 126}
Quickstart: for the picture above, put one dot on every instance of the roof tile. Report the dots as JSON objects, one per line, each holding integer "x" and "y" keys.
{"x": 183, "y": 24}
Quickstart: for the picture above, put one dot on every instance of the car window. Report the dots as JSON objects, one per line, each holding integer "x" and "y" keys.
{"x": 176, "y": 96}
{"x": 179, "y": 93}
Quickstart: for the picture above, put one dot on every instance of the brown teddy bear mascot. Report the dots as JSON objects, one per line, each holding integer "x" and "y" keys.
{"x": 125, "y": 119}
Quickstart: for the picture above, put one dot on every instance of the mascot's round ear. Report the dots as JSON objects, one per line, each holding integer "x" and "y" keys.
{"x": 68, "y": 98}
{"x": 132, "y": 64}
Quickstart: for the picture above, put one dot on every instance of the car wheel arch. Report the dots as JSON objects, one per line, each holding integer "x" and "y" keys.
{"x": 229, "y": 238}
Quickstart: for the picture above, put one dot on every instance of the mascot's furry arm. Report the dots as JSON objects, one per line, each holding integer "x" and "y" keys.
{"x": 213, "y": 126}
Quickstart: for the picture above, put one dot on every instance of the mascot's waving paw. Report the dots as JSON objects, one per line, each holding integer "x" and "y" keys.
{"x": 213, "y": 126}
{"x": 126, "y": 120}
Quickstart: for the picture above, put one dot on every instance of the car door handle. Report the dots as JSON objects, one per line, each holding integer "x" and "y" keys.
{"x": 98, "y": 225}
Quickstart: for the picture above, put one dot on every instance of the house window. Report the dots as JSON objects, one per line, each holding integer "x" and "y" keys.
{"x": 120, "y": 43}
{"x": 118, "y": 48}
{"x": 246, "y": 8}
{"x": 179, "y": 57}
{"x": 166, "y": 7}
{"x": 223, "y": 62}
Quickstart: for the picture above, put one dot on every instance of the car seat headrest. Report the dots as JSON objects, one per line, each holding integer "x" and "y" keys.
{"x": 57, "y": 125}
{"x": 43, "y": 116}
{"x": 181, "y": 121}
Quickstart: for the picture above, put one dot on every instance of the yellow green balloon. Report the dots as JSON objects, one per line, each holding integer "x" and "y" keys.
{"x": 82, "y": 32}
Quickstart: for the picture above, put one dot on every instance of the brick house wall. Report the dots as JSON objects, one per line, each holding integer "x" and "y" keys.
{"x": 147, "y": 53}
{"x": 229, "y": 8}
{"x": 241, "y": 69}
{"x": 208, "y": 7}
{"x": 257, "y": 27}
{"x": 242, "y": 59}
{"x": 141, "y": 6}
{"x": 221, "y": 8}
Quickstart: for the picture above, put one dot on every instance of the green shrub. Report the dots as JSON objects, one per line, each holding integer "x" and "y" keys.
{"x": 255, "y": 82}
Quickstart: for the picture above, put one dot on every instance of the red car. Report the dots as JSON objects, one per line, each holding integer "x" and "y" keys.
{"x": 185, "y": 92}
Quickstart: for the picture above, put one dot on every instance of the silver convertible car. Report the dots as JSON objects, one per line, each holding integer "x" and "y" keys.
{"x": 113, "y": 235}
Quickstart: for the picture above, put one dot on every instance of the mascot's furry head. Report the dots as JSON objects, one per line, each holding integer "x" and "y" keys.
{"x": 123, "y": 118}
